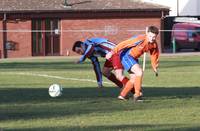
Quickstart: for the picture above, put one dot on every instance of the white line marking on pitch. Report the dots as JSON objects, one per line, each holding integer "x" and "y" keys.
{"x": 58, "y": 77}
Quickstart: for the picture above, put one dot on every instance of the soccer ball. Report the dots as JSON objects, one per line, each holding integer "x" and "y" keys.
{"x": 55, "y": 90}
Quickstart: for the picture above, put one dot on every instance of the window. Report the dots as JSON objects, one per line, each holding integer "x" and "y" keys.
{"x": 45, "y": 37}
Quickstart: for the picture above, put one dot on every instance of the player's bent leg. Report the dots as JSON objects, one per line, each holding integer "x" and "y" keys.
{"x": 133, "y": 76}
{"x": 138, "y": 79}
{"x": 107, "y": 72}
{"x": 120, "y": 76}
{"x": 118, "y": 69}
{"x": 128, "y": 87}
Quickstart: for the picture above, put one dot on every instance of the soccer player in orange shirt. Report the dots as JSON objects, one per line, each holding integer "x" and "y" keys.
{"x": 130, "y": 50}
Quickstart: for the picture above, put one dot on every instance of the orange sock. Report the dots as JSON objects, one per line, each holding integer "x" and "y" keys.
{"x": 137, "y": 85}
{"x": 127, "y": 88}
{"x": 124, "y": 81}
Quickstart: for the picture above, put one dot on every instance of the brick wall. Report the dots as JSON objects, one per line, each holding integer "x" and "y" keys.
{"x": 116, "y": 30}
{"x": 20, "y": 37}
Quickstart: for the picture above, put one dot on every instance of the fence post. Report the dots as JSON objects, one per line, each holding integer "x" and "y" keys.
{"x": 174, "y": 45}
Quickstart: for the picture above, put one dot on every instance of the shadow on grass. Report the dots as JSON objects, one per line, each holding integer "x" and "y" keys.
{"x": 46, "y": 65}
{"x": 36, "y": 103}
{"x": 30, "y": 103}
{"x": 179, "y": 92}
{"x": 157, "y": 127}
{"x": 27, "y": 95}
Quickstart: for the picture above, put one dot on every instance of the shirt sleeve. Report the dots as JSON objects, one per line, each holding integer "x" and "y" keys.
{"x": 122, "y": 45}
{"x": 154, "y": 52}
{"x": 134, "y": 41}
{"x": 87, "y": 53}
{"x": 97, "y": 69}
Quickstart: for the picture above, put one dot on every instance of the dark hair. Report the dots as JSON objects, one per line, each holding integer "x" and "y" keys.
{"x": 153, "y": 29}
{"x": 76, "y": 44}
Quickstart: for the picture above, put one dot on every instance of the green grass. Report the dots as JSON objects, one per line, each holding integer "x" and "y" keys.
{"x": 172, "y": 101}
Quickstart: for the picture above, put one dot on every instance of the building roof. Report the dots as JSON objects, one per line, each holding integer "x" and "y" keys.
{"x": 77, "y": 5}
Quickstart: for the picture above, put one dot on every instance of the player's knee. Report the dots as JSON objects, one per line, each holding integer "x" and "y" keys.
{"x": 105, "y": 73}
{"x": 132, "y": 80}
{"x": 119, "y": 76}
{"x": 139, "y": 72}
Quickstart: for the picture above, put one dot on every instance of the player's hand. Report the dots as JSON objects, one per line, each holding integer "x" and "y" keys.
{"x": 109, "y": 55}
{"x": 156, "y": 74}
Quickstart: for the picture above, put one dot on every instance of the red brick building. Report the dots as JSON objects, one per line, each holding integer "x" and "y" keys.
{"x": 49, "y": 27}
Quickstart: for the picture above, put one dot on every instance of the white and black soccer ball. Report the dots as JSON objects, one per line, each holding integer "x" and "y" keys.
{"x": 55, "y": 90}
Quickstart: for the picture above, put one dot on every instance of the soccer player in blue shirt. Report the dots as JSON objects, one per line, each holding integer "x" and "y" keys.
{"x": 98, "y": 47}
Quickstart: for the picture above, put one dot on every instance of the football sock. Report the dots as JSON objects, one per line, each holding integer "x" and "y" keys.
{"x": 113, "y": 78}
{"x": 124, "y": 81}
{"x": 128, "y": 87}
{"x": 137, "y": 85}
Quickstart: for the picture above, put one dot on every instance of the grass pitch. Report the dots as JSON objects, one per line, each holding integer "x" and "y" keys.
{"x": 172, "y": 101}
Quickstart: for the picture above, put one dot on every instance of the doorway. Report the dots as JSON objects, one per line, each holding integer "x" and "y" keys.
{"x": 45, "y": 37}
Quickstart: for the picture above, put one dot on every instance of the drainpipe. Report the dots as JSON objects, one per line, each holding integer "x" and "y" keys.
{"x": 177, "y": 7}
{"x": 4, "y": 51}
{"x": 162, "y": 33}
